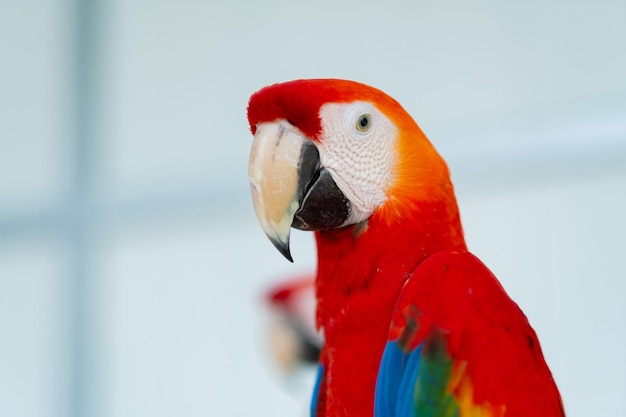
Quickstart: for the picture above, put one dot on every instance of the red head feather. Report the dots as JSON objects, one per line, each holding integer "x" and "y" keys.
{"x": 299, "y": 102}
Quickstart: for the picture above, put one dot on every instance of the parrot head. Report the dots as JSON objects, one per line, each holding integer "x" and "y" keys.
{"x": 331, "y": 153}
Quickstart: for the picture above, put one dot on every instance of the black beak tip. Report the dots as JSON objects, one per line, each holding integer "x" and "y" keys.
{"x": 283, "y": 248}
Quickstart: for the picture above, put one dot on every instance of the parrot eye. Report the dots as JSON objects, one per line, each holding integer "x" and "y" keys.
{"x": 364, "y": 122}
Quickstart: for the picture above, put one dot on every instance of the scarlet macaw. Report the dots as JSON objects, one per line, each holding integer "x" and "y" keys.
{"x": 413, "y": 323}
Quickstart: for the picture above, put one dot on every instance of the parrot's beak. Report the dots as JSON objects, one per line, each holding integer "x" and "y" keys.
{"x": 290, "y": 187}
{"x": 276, "y": 160}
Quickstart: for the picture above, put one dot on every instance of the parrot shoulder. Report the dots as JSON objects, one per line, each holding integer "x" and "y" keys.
{"x": 458, "y": 346}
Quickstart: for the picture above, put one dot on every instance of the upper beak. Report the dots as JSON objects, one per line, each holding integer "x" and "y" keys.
{"x": 290, "y": 187}
{"x": 280, "y": 160}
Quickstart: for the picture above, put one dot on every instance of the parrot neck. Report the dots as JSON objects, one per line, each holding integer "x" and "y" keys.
{"x": 360, "y": 276}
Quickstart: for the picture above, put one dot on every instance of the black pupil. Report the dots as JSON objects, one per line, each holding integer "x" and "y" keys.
{"x": 364, "y": 121}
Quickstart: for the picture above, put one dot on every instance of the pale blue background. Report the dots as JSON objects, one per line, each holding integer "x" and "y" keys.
{"x": 131, "y": 264}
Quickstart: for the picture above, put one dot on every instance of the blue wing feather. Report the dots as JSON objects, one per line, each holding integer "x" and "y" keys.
{"x": 316, "y": 390}
{"x": 388, "y": 382}
{"x": 396, "y": 381}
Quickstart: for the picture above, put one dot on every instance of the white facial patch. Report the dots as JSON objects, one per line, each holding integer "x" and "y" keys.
{"x": 357, "y": 148}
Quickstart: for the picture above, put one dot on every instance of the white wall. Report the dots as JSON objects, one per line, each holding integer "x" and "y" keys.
{"x": 138, "y": 292}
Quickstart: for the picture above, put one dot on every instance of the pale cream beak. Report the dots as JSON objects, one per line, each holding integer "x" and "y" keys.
{"x": 273, "y": 172}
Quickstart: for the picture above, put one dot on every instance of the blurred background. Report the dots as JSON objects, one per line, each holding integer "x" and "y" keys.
{"x": 132, "y": 269}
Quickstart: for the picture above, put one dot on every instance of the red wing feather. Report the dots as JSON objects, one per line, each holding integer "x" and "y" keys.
{"x": 498, "y": 362}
